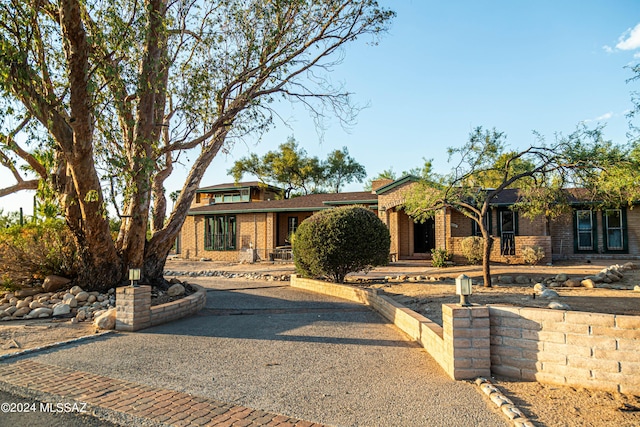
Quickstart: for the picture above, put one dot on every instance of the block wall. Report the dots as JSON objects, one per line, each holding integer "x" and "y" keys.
{"x": 590, "y": 350}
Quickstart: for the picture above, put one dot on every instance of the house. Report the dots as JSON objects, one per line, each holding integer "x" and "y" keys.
{"x": 225, "y": 220}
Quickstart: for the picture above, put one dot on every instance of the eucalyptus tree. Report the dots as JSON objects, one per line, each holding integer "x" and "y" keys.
{"x": 484, "y": 167}
{"x": 116, "y": 92}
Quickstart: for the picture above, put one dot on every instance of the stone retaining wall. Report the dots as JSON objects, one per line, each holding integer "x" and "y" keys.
{"x": 134, "y": 310}
{"x": 590, "y": 350}
{"x": 460, "y": 346}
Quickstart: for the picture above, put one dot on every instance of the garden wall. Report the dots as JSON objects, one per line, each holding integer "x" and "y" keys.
{"x": 134, "y": 310}
{"x": 590, "y": 350}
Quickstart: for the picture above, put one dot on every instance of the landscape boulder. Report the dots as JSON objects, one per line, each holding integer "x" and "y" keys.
{"x": 106, "y": 320}
{"x": 52, "y": 283}
{"x": 175, "y": 290}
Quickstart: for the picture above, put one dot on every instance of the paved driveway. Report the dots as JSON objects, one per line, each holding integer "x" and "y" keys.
{"x": 267, "y": 346}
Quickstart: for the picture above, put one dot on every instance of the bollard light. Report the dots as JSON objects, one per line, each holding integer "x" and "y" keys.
{"x": 463, "y": 288}
{"x": 134, "y": 276}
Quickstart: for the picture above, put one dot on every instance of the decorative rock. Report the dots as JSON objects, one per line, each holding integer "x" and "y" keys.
{"x": 505, "y": 279}
{"x": 174, "y": 281}
{"x": 26, "y": 292}
{"x": 512, "y": 412}
{"x": 70, "y": 300}
{"x": 549, "y": 294}
{"x": 636, "y": 288}
{"x": 34, "y": 304}
{"x": 52, "y": 283}
{"x": 561, "y": 278}
{"x": 106, "y": 320}
{"x": 557, "y": 305}
{"x": 41, "y": 312}
{"x": 630, "y": 266}
{"x": 499, "y": 399}
{"x": 91, "y": 299}
{"x": 175, "y": 290}
{"x": 22, "y": 311}
{"x": 488, "y": 388}
{"x": 61, "y": 309}
{"x": 75, "y": 290}
{"x": 588, "y": 283}
{"x": 572, "y": 283}
{"x": 595, "y": 279}
{"x": 522, "y": 422}
{"x": 22, "y": 304}
{"x": 539, "y": 288}
{"x": 82, "y": 296}
{"x": 100, "y": 298}
{"x": 13, "y": 301}
{"x": 522, "y": 280}
{"x": 9, "y": 311}
{"x": 81, "y": 316}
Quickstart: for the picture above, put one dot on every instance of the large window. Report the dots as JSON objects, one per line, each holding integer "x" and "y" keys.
{"x": 585, "y": 230}
{"x": 220, "y": 233}
{"x": 614, "y": 230}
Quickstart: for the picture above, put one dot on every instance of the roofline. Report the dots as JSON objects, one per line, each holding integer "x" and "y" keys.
{"x": 351, "y": 202}
{"x": 270, "y": 210}
{"x": 396, "y": 183}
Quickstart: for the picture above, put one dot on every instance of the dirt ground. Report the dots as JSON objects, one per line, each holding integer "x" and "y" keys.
{"x": 545, "y": 405}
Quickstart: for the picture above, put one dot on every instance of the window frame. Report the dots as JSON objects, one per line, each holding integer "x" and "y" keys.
{"x": 220, "y": 240}
{"x": 592, "y": 231}
{"x": 624, "y": 248}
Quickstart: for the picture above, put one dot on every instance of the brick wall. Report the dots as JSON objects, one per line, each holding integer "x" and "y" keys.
{"x": 590, "y": 350}
{"x": 521, "y": 242}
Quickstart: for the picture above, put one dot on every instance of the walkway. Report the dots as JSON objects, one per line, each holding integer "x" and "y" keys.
{"x": 259, "y": 345}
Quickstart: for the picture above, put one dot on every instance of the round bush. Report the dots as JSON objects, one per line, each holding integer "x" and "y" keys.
{"x": 339, "y": 241}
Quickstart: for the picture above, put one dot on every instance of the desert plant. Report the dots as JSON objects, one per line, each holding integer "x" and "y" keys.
{"x": 339, "y": 241}
{"x": 533, "y": 254}
{"x": 36, "y": 250}
{"x": 472, "y": 249}
{"x": 439, "y": 257}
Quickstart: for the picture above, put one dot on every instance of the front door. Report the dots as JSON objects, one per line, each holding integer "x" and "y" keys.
{"x": 424, "y": 236}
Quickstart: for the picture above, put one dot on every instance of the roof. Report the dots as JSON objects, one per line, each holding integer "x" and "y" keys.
{"x": 397, "y": 183}
{"x": 311, "y": 202}
{"x": 236, "y": 186}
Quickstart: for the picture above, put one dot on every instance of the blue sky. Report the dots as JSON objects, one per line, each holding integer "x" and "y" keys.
{"x": 446, "y": 67}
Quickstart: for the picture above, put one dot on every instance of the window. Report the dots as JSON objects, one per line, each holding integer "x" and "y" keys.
{"x": 614, "y": 232}
{"x": 508, "y": 229}
{"x": 292, "y": 226}
{"x": 475, "y": 229}
{"x": 220, "y": 233}
{"x": 584, "y": 230}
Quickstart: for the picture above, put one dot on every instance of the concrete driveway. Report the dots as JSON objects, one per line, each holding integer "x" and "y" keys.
{"x": 267, "y": 346}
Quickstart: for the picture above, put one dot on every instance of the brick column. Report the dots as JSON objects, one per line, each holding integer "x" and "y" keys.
{"x": 466, "y": 334}
{"x": 133, "y": 308}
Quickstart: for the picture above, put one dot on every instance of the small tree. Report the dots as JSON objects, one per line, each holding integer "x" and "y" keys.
{"x": 542, "y": 173}
{"x": 339, "y": 241}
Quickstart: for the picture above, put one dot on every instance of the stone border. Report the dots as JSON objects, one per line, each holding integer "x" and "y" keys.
{"x": 134, "y": 310}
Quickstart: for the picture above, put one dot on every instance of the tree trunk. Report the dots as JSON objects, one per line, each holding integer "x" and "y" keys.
{"x": 486, "y": 260}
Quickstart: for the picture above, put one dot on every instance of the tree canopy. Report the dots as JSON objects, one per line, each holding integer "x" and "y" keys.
{"x": 486, "y": 167}
{"x": 291, "y": 168}
{"x": 99, "y": 100}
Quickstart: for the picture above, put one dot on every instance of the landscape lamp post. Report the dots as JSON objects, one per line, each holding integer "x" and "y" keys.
{"x": 134, "y": 276}
{"x": 463, "y": 288}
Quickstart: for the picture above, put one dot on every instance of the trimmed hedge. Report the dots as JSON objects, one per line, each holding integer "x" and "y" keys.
{"x": 339, "y": 241}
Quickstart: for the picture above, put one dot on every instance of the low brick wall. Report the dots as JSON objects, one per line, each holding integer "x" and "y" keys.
{"x": 460, "y": 346}
{"x": 134, "y": 310}
{"x": 590, "y": 350}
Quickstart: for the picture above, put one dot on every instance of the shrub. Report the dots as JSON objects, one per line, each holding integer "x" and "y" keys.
{"x": 339, "y": 241}
{"x": 440, "y": 257}
{"x": 471, "y": 248}
{"x": 532, "y": 254}
{"x": 36, "y": 250}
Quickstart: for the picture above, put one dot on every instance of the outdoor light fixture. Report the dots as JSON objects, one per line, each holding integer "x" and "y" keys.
{"x": 463, "y": 288}
{"x": 134, "y": 276}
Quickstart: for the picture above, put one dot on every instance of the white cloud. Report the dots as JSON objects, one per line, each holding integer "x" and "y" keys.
{"x": 607, "y": 49}
{"x": 605, "y": 116}
{"x": 630, "y": 39}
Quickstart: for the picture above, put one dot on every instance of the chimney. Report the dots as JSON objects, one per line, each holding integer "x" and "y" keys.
{"x": 378, "y": 183}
